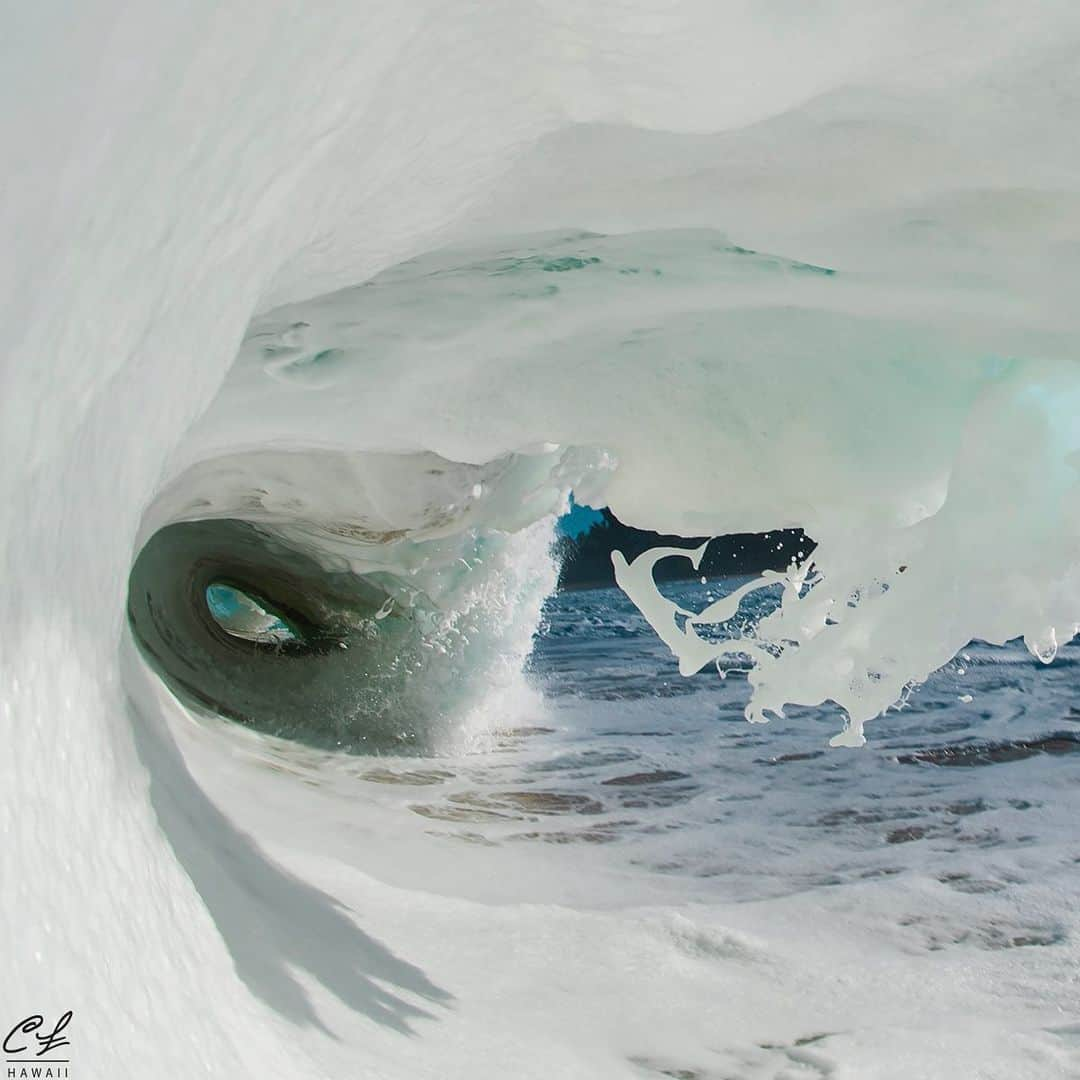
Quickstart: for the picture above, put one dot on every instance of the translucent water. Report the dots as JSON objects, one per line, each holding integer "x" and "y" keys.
{"x": 385, "y": 283}
{"x": 243, "y": 615}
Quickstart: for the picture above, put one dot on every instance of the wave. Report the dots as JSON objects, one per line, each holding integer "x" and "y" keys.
{"x": 700, "y": 386}
{"x": 353, "y": 302}
{"x": 400, "y": 612}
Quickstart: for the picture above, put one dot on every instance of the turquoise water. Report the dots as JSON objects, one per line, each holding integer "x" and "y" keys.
{"x": 243, "y": 616}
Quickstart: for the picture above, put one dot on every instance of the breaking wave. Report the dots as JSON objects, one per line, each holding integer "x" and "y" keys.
{"x": 310, "y": 320}
{"x": 693, "y": 383}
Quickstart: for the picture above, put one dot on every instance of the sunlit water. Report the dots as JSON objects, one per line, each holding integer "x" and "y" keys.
{"x": 972, "y": 782}
{"x": 876, "y": 912}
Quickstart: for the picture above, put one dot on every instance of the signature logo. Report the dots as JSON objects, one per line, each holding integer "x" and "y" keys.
{"x": 31, "y": 1048}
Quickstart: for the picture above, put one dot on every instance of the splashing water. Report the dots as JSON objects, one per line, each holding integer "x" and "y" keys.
{"x": 876, "y": 612}
{"x": 326, "y": 296}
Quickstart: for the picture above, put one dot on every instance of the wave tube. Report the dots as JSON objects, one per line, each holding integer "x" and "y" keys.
{"x": 749, "y": 267}
{"x": 877, "y": 444}
{"x": 360, "y": 603}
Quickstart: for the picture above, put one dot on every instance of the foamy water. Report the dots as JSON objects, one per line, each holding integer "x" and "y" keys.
{"x": 355, "y": 297}
{"x": 675, "y": 892}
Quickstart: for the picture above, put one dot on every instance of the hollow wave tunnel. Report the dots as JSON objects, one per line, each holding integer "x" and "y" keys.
{"x": 313, "y": 324}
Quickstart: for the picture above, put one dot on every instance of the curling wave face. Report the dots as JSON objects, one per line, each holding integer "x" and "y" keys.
{"x": 380, "y": 612}
{"x": 695, "y": 385}
{"x": 191, "y": 180}
{"x": 284, "y": 684}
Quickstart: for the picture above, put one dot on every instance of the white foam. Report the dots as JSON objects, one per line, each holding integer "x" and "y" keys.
{"x": 178, "y": 172}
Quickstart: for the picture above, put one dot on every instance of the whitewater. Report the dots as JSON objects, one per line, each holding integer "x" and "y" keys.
{"x": 332, "y": 310}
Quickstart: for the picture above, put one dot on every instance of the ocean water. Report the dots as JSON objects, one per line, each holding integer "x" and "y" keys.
{"x": 968, "y": 775}
{"x": 972, "y": 778}
{"x": 625, "y": 878}
{"x": 721, "y": 267}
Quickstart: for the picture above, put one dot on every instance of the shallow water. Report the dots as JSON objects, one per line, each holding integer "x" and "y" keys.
{"x": 667, "y": 768}
{"x": 676, "y": 892}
